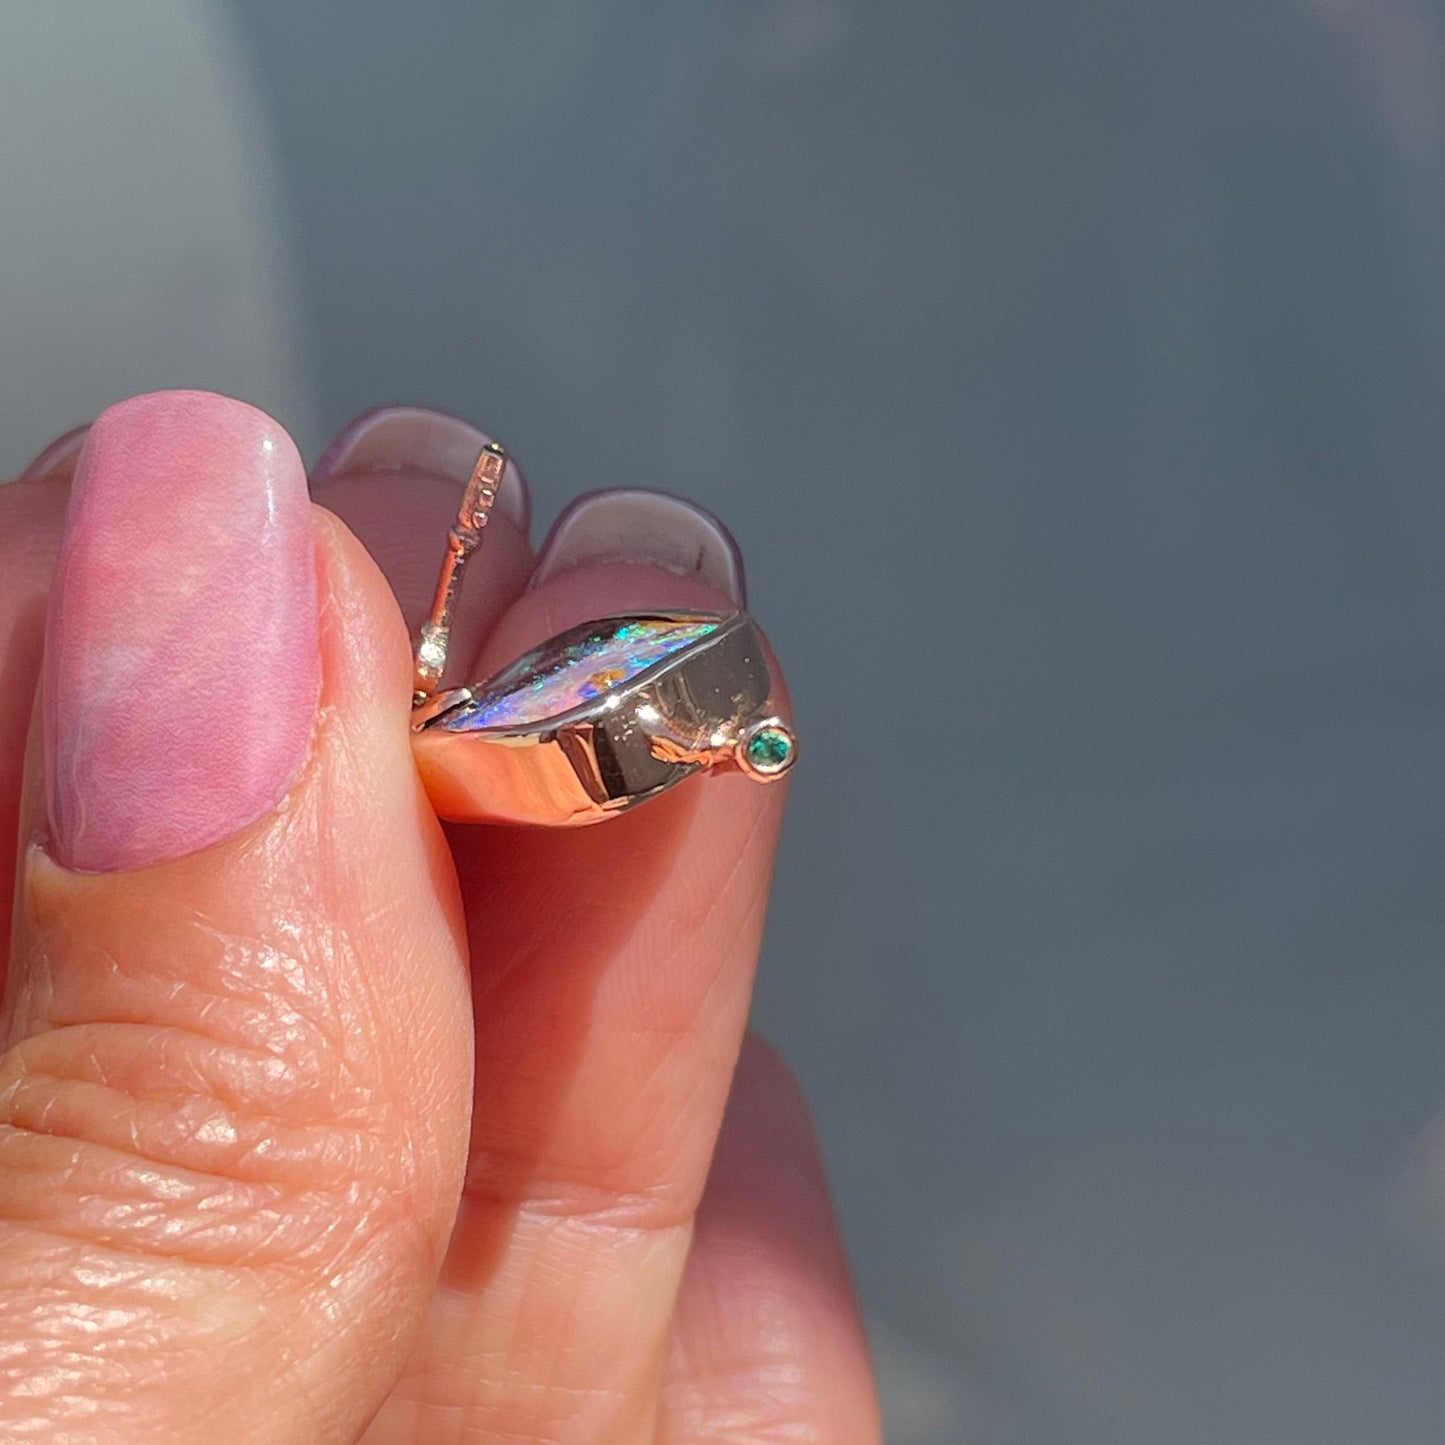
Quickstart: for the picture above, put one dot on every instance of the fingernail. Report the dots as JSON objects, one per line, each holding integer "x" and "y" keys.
{"x": 390, "y": 438}
{"x": 181, "y": 668}
{"x": 645, "y": 527}
{"x": 58, "y": 457}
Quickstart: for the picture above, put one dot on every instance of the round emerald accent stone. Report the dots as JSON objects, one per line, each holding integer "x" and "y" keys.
{"x": 769, "y": 750}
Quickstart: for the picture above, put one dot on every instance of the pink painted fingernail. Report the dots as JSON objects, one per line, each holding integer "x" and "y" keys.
{"x": 393, "y": 438}
{"x": 181, "y": 666}
{"x": 651, "y": 528}
{"x": 59, "y": 457}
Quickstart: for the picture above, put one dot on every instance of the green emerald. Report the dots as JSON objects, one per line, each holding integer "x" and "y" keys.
{"x": 769, "y": 749}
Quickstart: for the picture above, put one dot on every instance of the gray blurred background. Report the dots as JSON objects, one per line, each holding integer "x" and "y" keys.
{"x": 1087, "y": 361}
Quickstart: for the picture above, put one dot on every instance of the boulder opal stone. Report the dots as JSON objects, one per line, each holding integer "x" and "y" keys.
{"x": 574, "y": 668}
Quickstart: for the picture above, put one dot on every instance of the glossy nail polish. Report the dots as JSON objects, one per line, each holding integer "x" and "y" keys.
{"x": 181, "y": 665}
{"x": 651, "y": 528}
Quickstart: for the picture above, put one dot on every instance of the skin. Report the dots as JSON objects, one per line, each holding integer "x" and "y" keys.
{"x": 352, "y": 1127}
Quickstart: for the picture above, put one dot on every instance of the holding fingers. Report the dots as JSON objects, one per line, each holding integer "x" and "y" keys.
{"x": 328, "y": 936}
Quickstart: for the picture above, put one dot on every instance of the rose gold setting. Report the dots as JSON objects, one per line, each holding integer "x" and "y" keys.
{"x": 632, "y": 732}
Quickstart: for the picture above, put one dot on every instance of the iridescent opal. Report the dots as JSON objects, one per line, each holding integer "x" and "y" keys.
{"x": 573, "y": 668}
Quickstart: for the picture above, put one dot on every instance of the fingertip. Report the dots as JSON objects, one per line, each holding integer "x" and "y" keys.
{"x": 656, "y": 529}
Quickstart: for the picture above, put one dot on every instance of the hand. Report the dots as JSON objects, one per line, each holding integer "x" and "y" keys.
{"x": 319, "y": 1122}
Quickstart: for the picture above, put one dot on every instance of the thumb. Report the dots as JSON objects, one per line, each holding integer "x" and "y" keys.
{"x": 236, "y": 1067}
